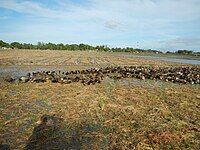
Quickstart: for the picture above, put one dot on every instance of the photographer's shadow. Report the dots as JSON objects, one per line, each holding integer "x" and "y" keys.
{"x": 49, "y": 135}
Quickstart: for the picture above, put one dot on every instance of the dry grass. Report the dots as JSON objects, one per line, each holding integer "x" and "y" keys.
{"x": 69, "y": 58}
{"x": 126, "y": 114}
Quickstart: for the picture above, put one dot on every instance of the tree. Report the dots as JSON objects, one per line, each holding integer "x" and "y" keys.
{"x": 168, "y": 52}
{"x": 83, "y": 47}
{"x": 40, "y": 45}
{"x": 27, "y": 46}
{"x": 184, "y": 52}
{"x": 4, "y": 44}
{"x": 16, "y": 45}
{"x": 60, "y": 46}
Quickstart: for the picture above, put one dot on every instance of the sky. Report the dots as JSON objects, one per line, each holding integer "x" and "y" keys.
{"x": 148, "y": 24}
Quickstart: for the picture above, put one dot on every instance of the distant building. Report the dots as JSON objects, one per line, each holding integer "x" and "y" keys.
{"x": 4, "y": 48}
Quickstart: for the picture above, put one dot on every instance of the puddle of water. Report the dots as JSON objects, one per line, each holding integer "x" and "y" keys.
{"x": 176, "y": 60}
{"x": 17, "y": 71}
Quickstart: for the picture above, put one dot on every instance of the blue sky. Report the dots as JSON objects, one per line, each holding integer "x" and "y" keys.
{"x": 149, "y": 24}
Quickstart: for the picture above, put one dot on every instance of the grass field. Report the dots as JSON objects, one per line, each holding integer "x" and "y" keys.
{"x": 124, "y": 114}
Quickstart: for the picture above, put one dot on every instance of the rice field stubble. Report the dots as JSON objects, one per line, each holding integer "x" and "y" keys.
{"x": 124, "y": 114}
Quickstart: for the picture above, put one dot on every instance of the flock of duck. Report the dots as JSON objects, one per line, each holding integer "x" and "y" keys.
{"x": 92, "y": 76}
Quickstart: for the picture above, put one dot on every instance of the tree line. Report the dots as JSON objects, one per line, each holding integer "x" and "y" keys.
{"x": 84, "y": 47}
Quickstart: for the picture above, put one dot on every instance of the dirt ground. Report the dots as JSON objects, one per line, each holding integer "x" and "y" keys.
{"x": 70, "y": 58}
{"x": 124, "y": 114}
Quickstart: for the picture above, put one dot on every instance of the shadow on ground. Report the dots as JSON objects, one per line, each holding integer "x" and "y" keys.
{"x": 50, "y": 134}
{"x": 4, "y": 147}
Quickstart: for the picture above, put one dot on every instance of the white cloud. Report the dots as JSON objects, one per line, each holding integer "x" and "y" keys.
{"x": 182, "y": 43}
{"x": 143, "y": 19}
{"x": 184, "y": 9}
{"x": 112, "y": 24}
{"x": 31, "y": 8}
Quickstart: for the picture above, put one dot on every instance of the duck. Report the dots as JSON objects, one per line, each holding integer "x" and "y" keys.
{"x": 24, "y": 79}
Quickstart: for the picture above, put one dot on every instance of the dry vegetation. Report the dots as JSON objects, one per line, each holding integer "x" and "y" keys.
{"x": 125, "y": 114}
{"x": 70, "y": 58}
